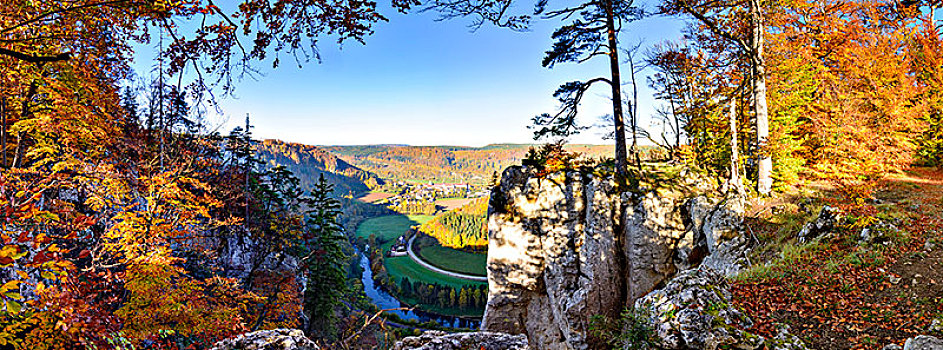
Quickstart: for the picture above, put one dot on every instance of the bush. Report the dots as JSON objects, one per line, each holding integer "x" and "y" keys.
{"x": 632, "y": 331}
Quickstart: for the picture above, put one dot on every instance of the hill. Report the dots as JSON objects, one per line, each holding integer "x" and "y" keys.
{"x": 441, "y": 164}
{"x": 309, "y": 162}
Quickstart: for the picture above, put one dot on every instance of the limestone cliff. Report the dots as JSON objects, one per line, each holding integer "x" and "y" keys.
{"x": 567, "y": 246}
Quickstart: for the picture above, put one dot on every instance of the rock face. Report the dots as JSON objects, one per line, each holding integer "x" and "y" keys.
{"x": 276, "y": 339}
{"x": 567, "y": 246}
{"x": 693, "y": 311}
{"x": 544, "y": 233}
{"x": 437, "y": 340}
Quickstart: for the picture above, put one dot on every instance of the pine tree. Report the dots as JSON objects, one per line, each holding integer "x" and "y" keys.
{"x": 324, "y": 260}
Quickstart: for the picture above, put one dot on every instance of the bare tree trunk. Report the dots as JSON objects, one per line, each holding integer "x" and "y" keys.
{"x": 24, "y": 115}
{"x": 634, "y": 112}
{"x": 735, "y": 180}
{"x": 3, "y": 131}
{"x": 764, "y": 181}
{"x": 20, "y": 149}
{"x": 614, "y": 82}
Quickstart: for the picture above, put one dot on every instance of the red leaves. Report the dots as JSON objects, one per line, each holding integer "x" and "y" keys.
{"x": 840, "y": 296}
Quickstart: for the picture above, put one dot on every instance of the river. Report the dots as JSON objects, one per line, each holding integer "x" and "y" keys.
{"x": 384, "y": 300}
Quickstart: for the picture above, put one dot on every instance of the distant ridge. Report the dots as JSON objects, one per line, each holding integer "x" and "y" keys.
{"x": 441, "y": 164}
{"x": 309, "y": 162}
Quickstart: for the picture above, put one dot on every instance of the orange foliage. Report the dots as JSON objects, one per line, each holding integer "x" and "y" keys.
{"x": 863, "y": 114}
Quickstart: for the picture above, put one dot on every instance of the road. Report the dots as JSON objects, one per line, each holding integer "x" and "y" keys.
{"x": 409, "y": 250}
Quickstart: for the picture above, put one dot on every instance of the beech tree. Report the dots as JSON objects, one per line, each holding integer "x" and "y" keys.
{"x": 726, "y": 20}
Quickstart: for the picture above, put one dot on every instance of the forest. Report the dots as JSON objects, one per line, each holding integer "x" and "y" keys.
{"x": 465, "y": 227}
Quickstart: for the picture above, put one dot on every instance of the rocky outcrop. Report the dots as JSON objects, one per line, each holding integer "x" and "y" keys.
{"x": 693, "y": 311}
{"x": 824, "y": 223}
{"x": 544, "y": 232}
{"x": 276, "y": 339}
{"x": 437, "y": 340}
{"x": 920, "y": 342}
{"x": 924, "y": 342}
{"x": 568, "y": 246}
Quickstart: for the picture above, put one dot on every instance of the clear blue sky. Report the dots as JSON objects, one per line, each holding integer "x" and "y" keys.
{"x": 424, "y": 82}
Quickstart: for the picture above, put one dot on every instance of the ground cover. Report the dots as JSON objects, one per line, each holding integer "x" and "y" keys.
{"x": 450, "y": 259}
{"x": 839, "y": 293}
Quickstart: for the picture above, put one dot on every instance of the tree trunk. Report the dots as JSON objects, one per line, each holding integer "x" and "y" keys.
{"x": 735, "y": 182}
{"x": 621, "y": 157}
{"x": 634, "y": 113}
{"x": 25, "y": 114}
{"x": 764, "y": 181}
{"x": 3, "y": 132}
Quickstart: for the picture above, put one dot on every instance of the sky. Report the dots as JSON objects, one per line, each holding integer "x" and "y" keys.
{"x": 420, "y": 81}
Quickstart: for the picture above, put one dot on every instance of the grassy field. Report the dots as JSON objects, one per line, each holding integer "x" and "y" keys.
{"x": 451, "y": 259}
{"x": 387, "y": 228}
{"x": 403, "y": 266}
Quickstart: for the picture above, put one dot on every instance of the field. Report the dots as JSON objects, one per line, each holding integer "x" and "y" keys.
{"x": 387, "y": 228}
{"x": 451, "y": 259}
{"x": 372, "y": 197}
{"x": 403, "y": 266}
{"x": 452, "y": 203}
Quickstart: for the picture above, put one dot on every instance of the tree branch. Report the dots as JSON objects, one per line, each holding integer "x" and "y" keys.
{"x": 713, "y": 27}
{"x": 35, "y": 59}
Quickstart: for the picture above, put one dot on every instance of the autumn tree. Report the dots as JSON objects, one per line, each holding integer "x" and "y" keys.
{"x": 102, "y": 234}
{"x": 851, "y": 90}
{"x": 742, "y": 26}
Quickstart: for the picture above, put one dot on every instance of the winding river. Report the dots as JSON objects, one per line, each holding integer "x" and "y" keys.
{"x": 384, "y": 300}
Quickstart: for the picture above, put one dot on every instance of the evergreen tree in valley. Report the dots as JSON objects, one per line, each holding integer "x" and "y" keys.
{"x": 324, "y": 260}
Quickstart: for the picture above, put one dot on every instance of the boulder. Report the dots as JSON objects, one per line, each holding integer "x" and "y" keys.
{"x": 825, "y": 222}
{"x": 438, "y": 340}
{"x": 878, "y": 233}
{"x": 924, "y": 342}
{"x": 275, "y": 339}
{"x": 693, "y": 312}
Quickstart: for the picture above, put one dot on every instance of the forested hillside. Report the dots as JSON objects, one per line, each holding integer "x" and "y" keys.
{"x": 444, "y": 163}
{"x": 465, "y": 227}
{"x": 308, "y": 163}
